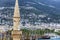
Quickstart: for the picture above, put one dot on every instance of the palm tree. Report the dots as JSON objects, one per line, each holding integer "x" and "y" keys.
{"x": 26, "y": 33}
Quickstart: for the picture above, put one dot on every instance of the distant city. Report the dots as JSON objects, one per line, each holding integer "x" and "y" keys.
{"x": 29, "y": 19}
{"x": 34, "y": 13}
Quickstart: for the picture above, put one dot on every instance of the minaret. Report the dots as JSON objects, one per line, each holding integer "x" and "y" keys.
{"x": 16, "y": 34}
{"x": 16, "y": 16}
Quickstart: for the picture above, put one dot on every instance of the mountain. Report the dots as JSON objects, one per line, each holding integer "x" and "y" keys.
{"x": 7, "y": 3}
{"x": 32, "y": 11}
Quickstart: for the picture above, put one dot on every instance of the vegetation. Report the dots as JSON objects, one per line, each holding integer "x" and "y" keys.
{"x": 28, "y": 32}
{"x": 38, "y": 31}
{"x": 58, "y": 33}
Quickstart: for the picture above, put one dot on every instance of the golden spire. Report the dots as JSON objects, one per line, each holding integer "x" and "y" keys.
{"x": 16, "y": 16}
{"x": 16, "y": 10}
{"x": 16, "y": 34}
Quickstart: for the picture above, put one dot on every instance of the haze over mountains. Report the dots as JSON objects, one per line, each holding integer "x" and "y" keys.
{"x": 32, "y": 11}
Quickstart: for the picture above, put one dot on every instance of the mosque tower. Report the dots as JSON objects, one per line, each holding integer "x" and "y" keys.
{"x": 16, "y": 34}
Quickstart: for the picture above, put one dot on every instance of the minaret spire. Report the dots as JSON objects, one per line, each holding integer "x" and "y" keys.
{"x": 16, "y": 16}
{"x": 16, "y": 10}
{"x": 16, "y": 34}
